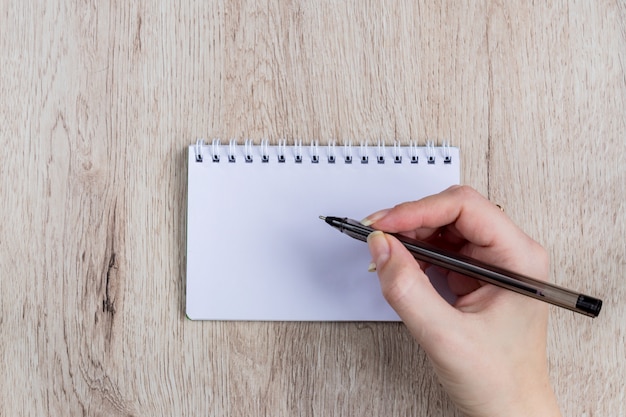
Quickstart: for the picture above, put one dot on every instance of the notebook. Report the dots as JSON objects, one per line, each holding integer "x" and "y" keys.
{"x": 256, "y": 248}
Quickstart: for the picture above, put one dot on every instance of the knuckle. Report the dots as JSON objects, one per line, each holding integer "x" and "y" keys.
{"x": 466, "y": 192}
{"x": 404, "y": 205}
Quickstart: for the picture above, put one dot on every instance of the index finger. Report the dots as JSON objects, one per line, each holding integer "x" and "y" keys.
{"x": 477, "y": 219}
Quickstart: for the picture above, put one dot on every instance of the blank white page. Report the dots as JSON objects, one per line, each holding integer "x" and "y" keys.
{"x": 256, "y": 248}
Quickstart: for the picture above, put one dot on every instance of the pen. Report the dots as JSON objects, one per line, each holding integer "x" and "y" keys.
{"x": 473, "y": 268}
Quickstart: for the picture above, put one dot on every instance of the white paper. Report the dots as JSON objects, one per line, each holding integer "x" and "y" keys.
{"x": 257, "y": 250}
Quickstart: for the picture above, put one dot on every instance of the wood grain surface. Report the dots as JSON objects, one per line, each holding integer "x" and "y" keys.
{"x": 99, "y": 101}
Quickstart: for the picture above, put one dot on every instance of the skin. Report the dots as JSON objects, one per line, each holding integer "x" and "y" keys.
{"x": 489, "y": 349}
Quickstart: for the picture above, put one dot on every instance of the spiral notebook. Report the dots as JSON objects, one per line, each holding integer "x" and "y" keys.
{"x": 256, "y": 248}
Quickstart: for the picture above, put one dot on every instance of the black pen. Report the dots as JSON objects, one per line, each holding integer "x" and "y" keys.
{"x": 473, "y": 268}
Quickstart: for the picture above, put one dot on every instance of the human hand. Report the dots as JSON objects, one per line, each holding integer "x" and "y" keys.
{"x": 489, "y": 348}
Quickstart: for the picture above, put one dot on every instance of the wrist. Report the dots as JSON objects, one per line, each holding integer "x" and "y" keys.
{"x": 541, "y": 404}
{"x": 536, "y": 401}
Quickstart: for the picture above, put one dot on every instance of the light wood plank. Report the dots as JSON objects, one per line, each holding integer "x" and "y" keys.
{"x": 99, "y": 102}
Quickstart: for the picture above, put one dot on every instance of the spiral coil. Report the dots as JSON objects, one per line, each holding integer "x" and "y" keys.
{"x": 314, "y": 153}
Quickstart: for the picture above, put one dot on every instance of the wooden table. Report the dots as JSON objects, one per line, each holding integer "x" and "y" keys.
{"x": 100, "y": 101}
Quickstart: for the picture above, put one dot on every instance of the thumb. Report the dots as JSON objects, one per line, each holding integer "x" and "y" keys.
{"x": 408, "y": 290}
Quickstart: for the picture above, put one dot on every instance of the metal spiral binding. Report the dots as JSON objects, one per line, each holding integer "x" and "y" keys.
{"x": 413, "y": 152}
{"x": 397, "y": 155}
{"x": 331, "y": 152}
{"x": 430, "y": 152}
{"x": 265, "y": 154}
{"x": 198, "y": 150}
{"x": 248, "y": 150}
{"x": 297, "y": 147}
{"x": 315, "y": 153}
{"x": 282, "y": 145}
{"x": 447, "y": 156}
{"x": 363, "y": 153}
{"x": 232, "y": 149}
{"x": 347, "y": 155}
{"x": 380, "y": 152}
{"x": 215, "y": 150}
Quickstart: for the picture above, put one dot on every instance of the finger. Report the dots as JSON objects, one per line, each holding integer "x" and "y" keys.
{"x": 474, "y": 217}
{"x": 419, "y": 234}
{"x": 408, "y": 290}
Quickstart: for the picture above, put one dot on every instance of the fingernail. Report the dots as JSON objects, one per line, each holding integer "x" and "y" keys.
{"x": 373, "y": 218}
{"x": 379, "y": 248}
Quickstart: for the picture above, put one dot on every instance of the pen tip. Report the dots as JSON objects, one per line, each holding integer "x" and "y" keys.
{"x": 323, "y": 217}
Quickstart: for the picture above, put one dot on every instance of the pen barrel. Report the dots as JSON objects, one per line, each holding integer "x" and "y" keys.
{"x": 521, "y": 284}
{"x": 474, "y": 268}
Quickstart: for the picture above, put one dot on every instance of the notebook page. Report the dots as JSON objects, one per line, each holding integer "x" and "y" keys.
{"x": 257, "y": 250}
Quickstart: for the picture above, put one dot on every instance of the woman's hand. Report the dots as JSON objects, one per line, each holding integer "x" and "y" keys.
{"x": 489, "y": 349}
